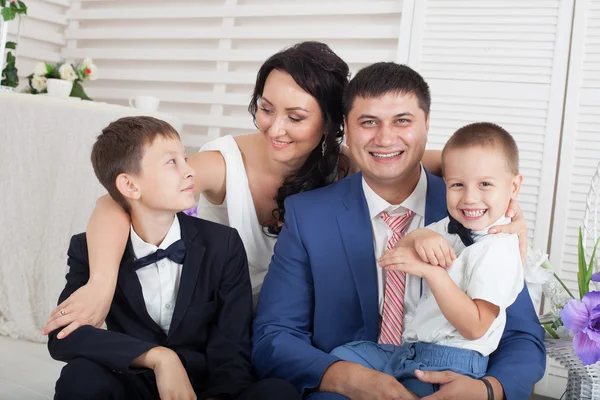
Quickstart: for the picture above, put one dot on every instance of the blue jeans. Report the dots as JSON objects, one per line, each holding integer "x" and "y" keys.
{"x": 401, "y": 361}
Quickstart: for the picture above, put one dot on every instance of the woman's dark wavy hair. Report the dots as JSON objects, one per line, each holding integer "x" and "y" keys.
{"x": 323, "y": 75}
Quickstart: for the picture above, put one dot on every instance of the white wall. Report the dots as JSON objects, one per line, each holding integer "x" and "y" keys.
{"x": 42, "y": 34}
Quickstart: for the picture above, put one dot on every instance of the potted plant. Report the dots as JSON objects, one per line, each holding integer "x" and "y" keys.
{"x": 62, "y": 79}
{"x": 573, "y": 325}
{"x": 9, "y": 10}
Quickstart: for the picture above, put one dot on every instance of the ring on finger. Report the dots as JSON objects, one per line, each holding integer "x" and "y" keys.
{"x": 63, "y": 312}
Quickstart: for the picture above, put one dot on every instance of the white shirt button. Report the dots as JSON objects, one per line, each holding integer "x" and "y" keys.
{"x": 168, "y": 306}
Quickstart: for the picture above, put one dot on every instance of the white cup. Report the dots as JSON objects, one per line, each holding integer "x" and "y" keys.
{"x": 59, "y": 87}
{"x": 144, "y": 103}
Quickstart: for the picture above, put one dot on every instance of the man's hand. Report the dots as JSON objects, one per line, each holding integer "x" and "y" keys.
{"x": 88, "y": 305}
{"x": 171, "y": 378}
{"x": 361, "y": 383}
{"x": 518, "y": 226}
{"x": 407, "y": 260}
{"x": 456, "y": 386}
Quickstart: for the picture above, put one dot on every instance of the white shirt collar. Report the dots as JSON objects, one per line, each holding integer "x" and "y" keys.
{"x": 477, "y": 235}
{"x": 142, "y": 249}
{"x": 415, "y": 202}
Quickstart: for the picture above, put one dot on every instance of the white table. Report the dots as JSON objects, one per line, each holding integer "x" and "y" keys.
{"x": 47, "y": 192}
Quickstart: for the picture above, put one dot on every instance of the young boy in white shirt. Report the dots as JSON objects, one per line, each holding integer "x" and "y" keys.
{"x": 461, "y": 316}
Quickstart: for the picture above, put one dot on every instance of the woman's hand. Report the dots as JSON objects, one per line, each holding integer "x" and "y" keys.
{"x": 88, "y": 305}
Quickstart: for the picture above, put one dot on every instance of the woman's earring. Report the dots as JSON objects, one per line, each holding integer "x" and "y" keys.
{"x": 323, "y": 147}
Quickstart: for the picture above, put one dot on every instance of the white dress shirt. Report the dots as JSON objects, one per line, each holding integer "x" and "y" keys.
{"x": 159, "y": 281}
{"x": 382, "y": 233}
{"x": 490, "y": 270}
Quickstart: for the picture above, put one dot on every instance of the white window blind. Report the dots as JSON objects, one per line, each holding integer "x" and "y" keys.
{"x": 503, "y": 62}
{"x": 201, "y": 58}
{"x": 42, "y": 34}
{"x": 579, "y": 155}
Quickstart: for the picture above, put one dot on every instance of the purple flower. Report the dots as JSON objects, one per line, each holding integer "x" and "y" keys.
{"x": 596, "y": 277}
{"x": 582, "y": 318}
{"x": 192, "y": 212}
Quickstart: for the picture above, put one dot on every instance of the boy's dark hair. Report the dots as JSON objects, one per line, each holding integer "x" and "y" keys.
{"x": 381, "y": 78}
{"x": 120, "y": 147}
{"x": 485, "y": 134}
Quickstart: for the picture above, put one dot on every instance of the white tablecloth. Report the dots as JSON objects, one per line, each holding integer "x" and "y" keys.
{"x": 47, "y": 192}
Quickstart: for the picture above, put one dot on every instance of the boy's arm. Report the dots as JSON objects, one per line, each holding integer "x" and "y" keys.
{"x": 107, "y": 234}
{"x": 228, "y": 348}
{"x": 472, "y": 318}
{"x": 114, "y": 350}
{"x": 172, "y": 379}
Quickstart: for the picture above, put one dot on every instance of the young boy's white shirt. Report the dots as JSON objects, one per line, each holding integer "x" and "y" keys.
{"x": 159, "y": 281}
{"x": 490, "y": 270}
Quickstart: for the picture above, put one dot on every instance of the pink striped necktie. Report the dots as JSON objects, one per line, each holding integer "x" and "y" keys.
{"x": 395, "y": 284}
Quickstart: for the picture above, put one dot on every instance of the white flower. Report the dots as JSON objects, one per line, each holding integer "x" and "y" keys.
{"x": 91, "y": 72}
{"x": 40, "y": 69}
{"x": 88, "y": 69}
{"x": 67, "y": 73}
{"x": 39, "y": 83}
{"x": 536, "y": 269}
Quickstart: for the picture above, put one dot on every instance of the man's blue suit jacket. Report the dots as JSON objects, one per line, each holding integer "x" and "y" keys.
{"x": 321, "y": 292}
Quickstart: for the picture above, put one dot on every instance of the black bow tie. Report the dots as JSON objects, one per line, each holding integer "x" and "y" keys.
{"x": 465, "y": 234}
{"x": 175, "y": 252}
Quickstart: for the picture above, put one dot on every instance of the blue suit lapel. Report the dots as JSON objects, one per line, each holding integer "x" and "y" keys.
{"x": 435, "y": 204}
{"x": 357, "y": 236}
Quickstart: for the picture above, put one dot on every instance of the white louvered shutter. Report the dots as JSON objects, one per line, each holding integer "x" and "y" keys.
{"x": 579, "y": 156}
{"x": 42, "y": 36}
{"x": 201, "y": 58}
{"x": 503, "y": 62}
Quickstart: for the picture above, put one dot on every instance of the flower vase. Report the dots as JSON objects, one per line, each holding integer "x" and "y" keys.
{"x": 59, "y": 87}
{"x": 583, "y": 381}
{"x": 3, "y": 39}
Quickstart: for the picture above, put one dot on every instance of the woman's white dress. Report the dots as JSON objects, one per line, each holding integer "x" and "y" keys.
{"x": 237, "y": 211}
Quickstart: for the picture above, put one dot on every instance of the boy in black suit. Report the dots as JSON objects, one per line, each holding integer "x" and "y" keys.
{"x": 179, "y": 323}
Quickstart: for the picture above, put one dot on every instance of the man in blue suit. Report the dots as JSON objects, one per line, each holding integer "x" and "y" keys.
{"x": 324, "y": 288}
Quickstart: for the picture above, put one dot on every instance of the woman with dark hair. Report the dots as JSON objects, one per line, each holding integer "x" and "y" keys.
{"x": 243, "y": 181}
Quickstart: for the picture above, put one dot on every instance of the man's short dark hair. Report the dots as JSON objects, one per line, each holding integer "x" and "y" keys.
{"x": 120, "y": 148}
{"x": 381, "y": 78}
{"x": 485, "y": 134}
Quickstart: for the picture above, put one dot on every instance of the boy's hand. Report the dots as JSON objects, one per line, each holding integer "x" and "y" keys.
{"x": 407, "y": 260}
{"x": 433, "y": 248}
{"x": 171, "y": 378}
{"x": 88, "y": 305}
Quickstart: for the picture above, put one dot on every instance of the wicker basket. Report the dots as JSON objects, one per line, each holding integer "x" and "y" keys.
{"x": 583, "y": 381}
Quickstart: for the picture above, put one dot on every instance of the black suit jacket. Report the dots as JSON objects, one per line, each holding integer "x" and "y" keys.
{"x": 210, "y": 329}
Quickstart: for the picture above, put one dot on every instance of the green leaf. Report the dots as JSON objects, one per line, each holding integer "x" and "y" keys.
{"x": 78, "y": 91}
{"x": 8, "y": 13}
{"x": 551, "y": 331}
{"x": 10, "y": 73}
{"x": 590, "y": 270}
{"x": 22, "y": 7}
{"x": 582, "y": 270}
{"x": 3, "y": 3}
{"x": 11, "y": 45}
